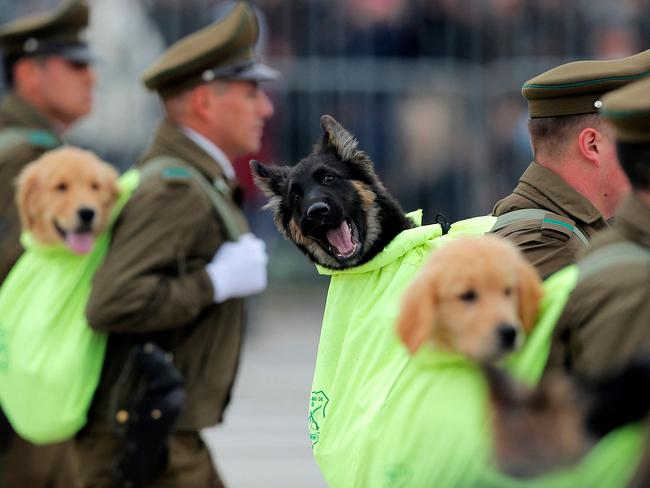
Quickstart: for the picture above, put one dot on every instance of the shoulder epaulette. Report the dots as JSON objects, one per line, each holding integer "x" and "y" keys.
{"x": 546, "y": 221}
{"x": 13, "y": 136}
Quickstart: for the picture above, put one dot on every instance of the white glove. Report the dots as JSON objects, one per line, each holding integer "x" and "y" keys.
{"x": 239, "y": 268}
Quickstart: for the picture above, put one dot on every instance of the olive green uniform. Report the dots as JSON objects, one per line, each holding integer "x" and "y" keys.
{"x": 25, "y": 135}
{"x": 16, "y": 151}
{"x": 153, "y": 287}
{"x": 607, "y": 319}
{"x": 549, "y": 248}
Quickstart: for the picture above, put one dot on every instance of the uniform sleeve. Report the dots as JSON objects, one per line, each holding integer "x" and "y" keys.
{"x": 547, "y": 253}
{"x": 150, "y": 280}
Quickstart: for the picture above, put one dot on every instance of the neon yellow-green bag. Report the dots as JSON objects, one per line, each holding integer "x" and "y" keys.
{"x": 50, "y": 359}
{"x": 379, "y": 418}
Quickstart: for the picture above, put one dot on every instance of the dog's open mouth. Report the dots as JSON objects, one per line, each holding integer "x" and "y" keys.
{"x": 79, "y": 241}
{"x": 343, "y": 240}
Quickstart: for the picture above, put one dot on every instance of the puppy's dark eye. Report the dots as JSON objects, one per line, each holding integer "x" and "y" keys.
{"x": 94, "y": 186}
{"x": 507, "y": 292}
{"x": 62, "y": 187}
{"x": 328, "y": 179}
{"x": 469, "y": 296}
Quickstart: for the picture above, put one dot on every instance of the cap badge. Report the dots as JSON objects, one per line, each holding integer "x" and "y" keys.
{"x": 30, "y": 45}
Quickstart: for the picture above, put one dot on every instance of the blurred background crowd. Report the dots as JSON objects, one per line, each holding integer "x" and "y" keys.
{"x": 431, "y": 88}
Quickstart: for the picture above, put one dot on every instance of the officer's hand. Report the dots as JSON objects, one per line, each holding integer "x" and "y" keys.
{"x": 239, "y": 268}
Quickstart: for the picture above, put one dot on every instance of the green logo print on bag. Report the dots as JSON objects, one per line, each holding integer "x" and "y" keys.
{"x": 317, "y": 413}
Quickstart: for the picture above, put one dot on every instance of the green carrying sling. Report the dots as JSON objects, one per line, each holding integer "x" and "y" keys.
{"x": 381, "y": 418}
{"x": 50, "y": 359}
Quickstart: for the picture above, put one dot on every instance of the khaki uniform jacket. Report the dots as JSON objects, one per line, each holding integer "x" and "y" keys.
{"x": 16, "y": 113}
{"x": 607, "y": 319}
{"x": 548, "y": 249}
{"x": 153, "y": 286}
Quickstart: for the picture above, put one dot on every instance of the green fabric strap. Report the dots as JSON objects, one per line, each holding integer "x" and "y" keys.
{"x": 535, "y": 214}
{"x": 12, "y": 136}
{"x": 171, "y": 167}
{"x": 616, "y": 254}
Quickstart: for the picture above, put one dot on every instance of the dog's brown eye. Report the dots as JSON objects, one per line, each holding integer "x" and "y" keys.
{"x": 295, "y": 197}
{"x": 469, "y": 296}
{"x": 507, "y": 292}
{"x": 94, "y": 186}
{"x": 328, "y": 179}
{"x": 62, "y": 187}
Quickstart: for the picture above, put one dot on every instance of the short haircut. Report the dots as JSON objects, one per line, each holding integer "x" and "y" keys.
{"x": 635, "y": 161}
{"x": 549, "y": 135}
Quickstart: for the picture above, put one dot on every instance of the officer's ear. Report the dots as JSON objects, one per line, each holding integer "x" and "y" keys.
{"x": 27, "y": 186}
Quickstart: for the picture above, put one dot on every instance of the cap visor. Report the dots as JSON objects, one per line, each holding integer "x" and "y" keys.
{"x": 257, "y": 72}
{"x": 78, "y": 54}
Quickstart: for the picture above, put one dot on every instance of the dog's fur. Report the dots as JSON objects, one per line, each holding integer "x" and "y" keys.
{"x": 475, "y": 296}
{"x": 331, "y": 204}
{"x": 553, "y": 425}
{"x": 66, "y": 196}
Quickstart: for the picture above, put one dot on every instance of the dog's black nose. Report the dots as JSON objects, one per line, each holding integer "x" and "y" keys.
{"x": 507, "y": 335}
{"x": 86, "y": 215}
{"x": 319, "y": 209}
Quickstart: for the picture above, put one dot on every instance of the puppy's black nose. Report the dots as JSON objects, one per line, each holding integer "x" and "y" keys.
{"x": 507, "y": 336}
{"x": 86, "y": 215}
{"x": 319, "y": 209}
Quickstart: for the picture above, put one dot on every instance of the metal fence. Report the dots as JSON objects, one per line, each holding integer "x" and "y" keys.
{"x": 429, "y": 87}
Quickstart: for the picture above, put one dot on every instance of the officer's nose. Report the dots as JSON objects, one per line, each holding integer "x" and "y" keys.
{"x": 318, "y": 210}
{"x": 507, "y": 334}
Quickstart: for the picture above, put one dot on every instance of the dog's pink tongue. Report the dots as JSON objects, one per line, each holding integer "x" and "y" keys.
{"x": 341, "y": 238}
{"x": 80, "y": 242}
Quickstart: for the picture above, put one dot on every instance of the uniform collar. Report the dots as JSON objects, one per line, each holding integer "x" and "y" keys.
{"x": 170, "y": 140}
{"x": 212, "y": 149}
{"x": 633, "y": 220}
{"x": 16, "y": 111}
{"x": 548, "y": 189}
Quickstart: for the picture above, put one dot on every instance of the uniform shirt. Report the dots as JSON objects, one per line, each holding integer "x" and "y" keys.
{"x": 16, "y": 113}
{"x": 213, "y": 150}
{"x": 548, "y": 250}
{"x": 153, "y": 286}
{"x": 607, "y": 319}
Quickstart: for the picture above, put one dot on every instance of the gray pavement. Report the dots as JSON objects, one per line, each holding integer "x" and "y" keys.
{"x": 264, "y": 441}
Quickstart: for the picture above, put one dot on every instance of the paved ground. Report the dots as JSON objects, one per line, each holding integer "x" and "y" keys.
{"x": 264, "y": 440}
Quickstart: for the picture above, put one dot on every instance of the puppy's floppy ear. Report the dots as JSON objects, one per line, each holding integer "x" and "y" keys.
{"x": 27, "y": 186}
{"x": 343, "y": 142}
{"x": 110, "y": 179}
{"x": 530, "y": 293}
{"x": 415, "y": 322}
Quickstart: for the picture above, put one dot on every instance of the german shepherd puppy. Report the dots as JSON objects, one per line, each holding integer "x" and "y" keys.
{"x": 332, "y": 204}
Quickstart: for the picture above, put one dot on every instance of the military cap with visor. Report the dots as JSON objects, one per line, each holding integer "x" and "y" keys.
{"x": 628, "y": 110}
{"x": 60, "y": 33}
{"x": 224, "y": 50}
{"x": 577, "y": 88}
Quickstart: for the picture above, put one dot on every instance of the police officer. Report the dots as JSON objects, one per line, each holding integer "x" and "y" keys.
{"x": 181, "y": 258}
{"x": 605, "y": 323}
{"x": 574, "y": 184}
{"x": 49, "y": 83}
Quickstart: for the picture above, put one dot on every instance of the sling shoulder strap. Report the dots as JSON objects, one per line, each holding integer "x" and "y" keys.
{"x": 544, "y": 219}
{"x": 616, "y": 254}
{"x": 170, "y": 167}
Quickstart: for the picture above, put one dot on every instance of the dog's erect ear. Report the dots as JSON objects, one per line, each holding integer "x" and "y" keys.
{"x": 269, "y": 179}
{"x": 27, "y": 185}
{"x": 417, "y": 316}
{"x": 343, "y": 142}
{"x": 530, "y": 294}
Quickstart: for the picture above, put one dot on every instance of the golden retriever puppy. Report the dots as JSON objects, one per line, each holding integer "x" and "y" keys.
{"x": 476, "y": 296}
{"x": 66, "y": 196}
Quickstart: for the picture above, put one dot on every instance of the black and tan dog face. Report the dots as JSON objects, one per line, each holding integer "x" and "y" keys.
{"x": 331, "y": 204}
